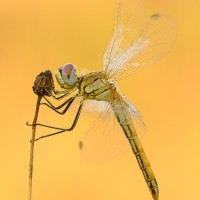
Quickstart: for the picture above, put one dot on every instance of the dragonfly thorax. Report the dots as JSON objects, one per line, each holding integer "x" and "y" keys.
{"x": 96, "y": 86}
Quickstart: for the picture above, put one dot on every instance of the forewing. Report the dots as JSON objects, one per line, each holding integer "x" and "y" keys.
{"x": 129, "y": 21}
{"x": 137, "y": 42}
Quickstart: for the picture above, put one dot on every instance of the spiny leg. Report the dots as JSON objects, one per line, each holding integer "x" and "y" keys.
{"x": 68, "y": 102}
{"x": 59, "y": 97}
{"x": 62, "y": 129}
{"x": 61, "y": 113}
{"x": 62, "y": 94}
{"x": 58, "y": 128}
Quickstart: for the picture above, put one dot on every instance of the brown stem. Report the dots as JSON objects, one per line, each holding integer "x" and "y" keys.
{"x": 32, "y": 146}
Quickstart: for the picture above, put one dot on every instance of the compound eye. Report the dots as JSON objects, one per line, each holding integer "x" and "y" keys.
{"x": 68, "y": 73}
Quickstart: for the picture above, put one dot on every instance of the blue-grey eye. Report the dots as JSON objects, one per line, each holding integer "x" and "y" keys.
{"x": 69, "y": 74}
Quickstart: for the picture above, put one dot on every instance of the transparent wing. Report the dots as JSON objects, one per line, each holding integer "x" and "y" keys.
{"x": 105, "y": 138}
{"x": 136, "y": 41}
{"x": 91, "y": 108}
{"x": 94, "y": 108}
{"x": 135, "y": 117}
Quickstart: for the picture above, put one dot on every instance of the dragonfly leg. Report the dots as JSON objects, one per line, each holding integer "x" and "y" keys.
{"x": 62, "y": 130}
{"x": 61, "y": 93}
{"x": 59, "y": 97}
{"x": 68, "y": 103}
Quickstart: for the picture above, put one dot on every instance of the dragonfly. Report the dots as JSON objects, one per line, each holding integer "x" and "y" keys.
{"x": 137, "y": 41}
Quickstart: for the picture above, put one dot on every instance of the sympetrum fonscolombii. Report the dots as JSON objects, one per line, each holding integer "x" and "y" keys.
{"x": 136, "y": 42}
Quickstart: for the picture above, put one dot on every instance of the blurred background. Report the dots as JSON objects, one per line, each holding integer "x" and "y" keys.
{"x": 39, "y": 35}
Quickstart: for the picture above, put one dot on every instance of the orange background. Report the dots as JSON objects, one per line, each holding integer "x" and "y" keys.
{"x": 39, "y": 35}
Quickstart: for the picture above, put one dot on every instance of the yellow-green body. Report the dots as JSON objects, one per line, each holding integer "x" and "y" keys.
{"x": 96, "y": 86}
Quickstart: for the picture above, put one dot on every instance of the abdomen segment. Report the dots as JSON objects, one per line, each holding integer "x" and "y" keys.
{"x": 125, "y": 122}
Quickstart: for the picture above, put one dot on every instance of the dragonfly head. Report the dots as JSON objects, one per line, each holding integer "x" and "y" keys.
{"x": 66, "y": 76}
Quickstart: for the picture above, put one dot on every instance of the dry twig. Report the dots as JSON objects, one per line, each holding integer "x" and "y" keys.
{"x": 43, "y": 85}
